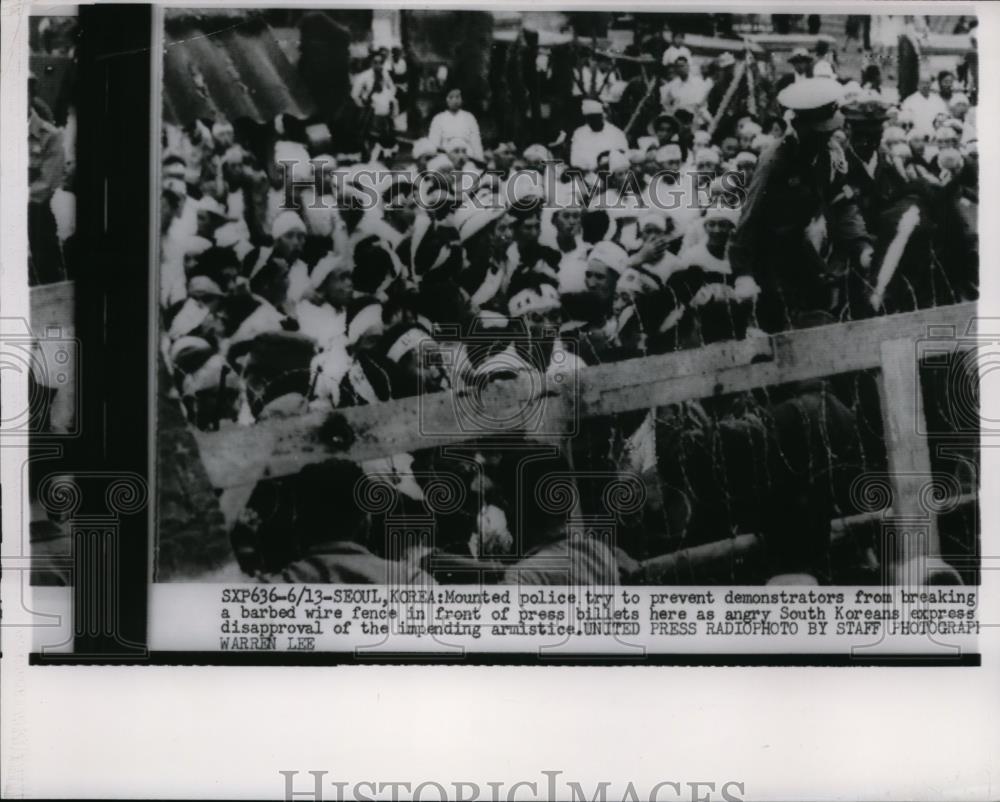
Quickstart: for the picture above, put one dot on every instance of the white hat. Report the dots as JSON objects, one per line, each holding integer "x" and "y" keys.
{"x": 727, "y": 59}
{"x": 539, "y": 152}
{"x": 209, "y": 204}
{"x": 470, "y": 220}
{"x": 591, "y": 106}
{"x": 745, "y": 156}
{"x": 234, "y": 155}
{"x": 453, "y": 142}
{"x": 203, "y": 287}
{"x": 610, "y": 254}
{"x": 670, "y": 152}
{"x": 229, "y": 234}
{"x": 286, "y": 150}
{"x": 285, "y": 222}
{"x": 950, "y": 159}
{"x": 367, "y": 319}
{"x": 488, "y": 319}
{"x": 542, "y": 299}
{"x": 617, "y": 161}
{"x": 706, "y": 155}
{"x": 944, "y": 133}
{"x": 523, "y": 192}
{"x": 196, "y": 245}
{"x": 221, "y": 127}
{"x": 644, "y": 143}
{"x": 188, "y": 347}
{"x": 190, "y": 316}
{"x": 295, "y": 152}
{"x": 323, "y": 268}
{"x": 423, "y": 147}
{"x": 722, "y": 212}
{"x": 702, "y": 138}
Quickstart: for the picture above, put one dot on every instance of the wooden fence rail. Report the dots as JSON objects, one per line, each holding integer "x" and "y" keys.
{"x": 237, "y": 455}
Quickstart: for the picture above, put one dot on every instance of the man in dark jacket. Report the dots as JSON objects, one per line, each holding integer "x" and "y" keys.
{"x": 792, "y": 213}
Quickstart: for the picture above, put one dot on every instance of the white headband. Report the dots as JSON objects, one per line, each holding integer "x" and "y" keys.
{"x": 637, "y": 282}
{"x": 285, "y": 222}
{"x": 410, "y": 339}
{"x": 323, "y": 268}
{"x": 543, "y": 299}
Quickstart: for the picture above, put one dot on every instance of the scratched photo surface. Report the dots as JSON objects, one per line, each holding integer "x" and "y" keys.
{"x": 563, "y": 298}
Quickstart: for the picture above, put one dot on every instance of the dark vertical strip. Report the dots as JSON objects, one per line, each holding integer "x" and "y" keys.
{"x": 113, "y": 318}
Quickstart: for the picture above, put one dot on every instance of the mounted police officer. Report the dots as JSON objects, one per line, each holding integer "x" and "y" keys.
{"x": 795, "y": 216}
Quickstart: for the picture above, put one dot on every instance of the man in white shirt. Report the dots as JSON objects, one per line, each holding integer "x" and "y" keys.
{"x": 595, "y": 136}
{"x": 924, "y": 105}
{"x": 455, "y": 122}
{"x": 686, "y": 91}
{"x": 322, "y": 312}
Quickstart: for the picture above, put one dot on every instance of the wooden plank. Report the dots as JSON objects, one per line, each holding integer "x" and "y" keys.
{"x": 52, "y": 305}
{"x": 786, "y": 42}
{"x": 692, "y": 561}
{"x": 238, "y": 455}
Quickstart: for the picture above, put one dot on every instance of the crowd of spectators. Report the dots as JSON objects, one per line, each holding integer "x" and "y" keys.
{"x": 294, "y": 281}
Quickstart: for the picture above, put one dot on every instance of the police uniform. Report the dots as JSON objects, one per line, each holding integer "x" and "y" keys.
{"x": 789, "y": 214}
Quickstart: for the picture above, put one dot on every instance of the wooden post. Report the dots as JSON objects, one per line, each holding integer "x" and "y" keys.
{"x": 907, "y": 451}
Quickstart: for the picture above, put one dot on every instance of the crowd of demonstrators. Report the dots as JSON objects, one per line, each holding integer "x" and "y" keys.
{"x": 341, "y": 285}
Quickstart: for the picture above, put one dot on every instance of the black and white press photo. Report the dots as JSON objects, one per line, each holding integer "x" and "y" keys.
{"x": 589, "y": 316}
{"x": 515, "y": 401}
{"x": 603, "y": 293}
